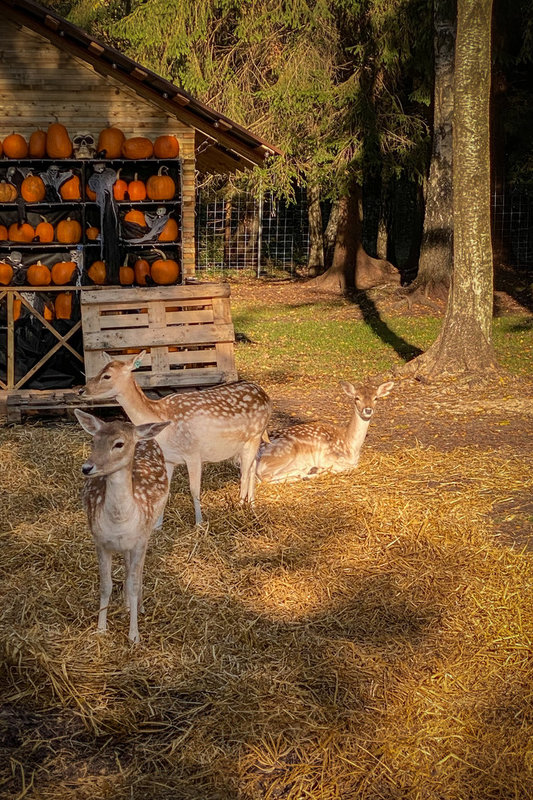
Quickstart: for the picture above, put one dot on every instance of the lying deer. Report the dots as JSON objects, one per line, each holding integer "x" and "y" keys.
{"x": 124, "y": 494}
{"x": 211, "y": 425}
{"x": 309, "y": 449}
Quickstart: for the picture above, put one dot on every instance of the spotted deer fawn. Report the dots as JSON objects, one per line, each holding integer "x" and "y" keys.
{"x": 210, "y": 425}
{"x": 309, "y": 449}
{"x": 124, "y": 494}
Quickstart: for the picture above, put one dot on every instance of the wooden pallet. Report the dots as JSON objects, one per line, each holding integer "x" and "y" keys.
{"x": 186, "y": 330}
{"x": 46, "y": 402}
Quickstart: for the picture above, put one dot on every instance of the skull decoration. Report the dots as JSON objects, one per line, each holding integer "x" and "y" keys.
{"x": 84, "y": 145}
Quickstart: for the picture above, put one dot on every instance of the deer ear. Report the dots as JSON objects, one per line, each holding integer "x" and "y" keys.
{"x": 385, "y": 389}
{"x": 137, "y": 360}
{"x": 348, "y": 388}
{"x": 89, "y": 423}
{"x": 151, "y": 429}
{"x": 107, "y": 358}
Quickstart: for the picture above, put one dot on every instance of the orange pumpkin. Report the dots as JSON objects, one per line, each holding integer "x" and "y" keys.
{"x": 44, "y": 231}
{"x": 48, "y": 312}
{"x": 63, "y": 272}
{"x": 135, "y": 216}
{"x": 97, "y": 272}
{"x": 8, "y": 192}
{"x": 160, "y": 186}
{"x": 21, "y": 233}
{"x": 71, "y": 190}
{"x": 111, "y": 140}
{"x": 141, "y": 269}
{"x": 6, "y": 273}
{"x": 37, "y": 146}
{"x": 63, "y": 305}
{"x": 1, "y": 149}
{"x": 166, "y": 147}
{"x": 136, "y": 190}
{"x": 15, "y": 146}
{"x": 58, "y": 144}
{"x": 17, "y": 308}
{"x": 169, "y": 232}
{"x": 68, "y": 231}
{"x": 120, "y": 187}
{"x": 165, "y": 271}
{"x": 92, "y": 233}
{"x": 33, "y": 189}
{"x": 126, "y": 275}
{"x": 3, "y": 233}
{"x": 90, "y": 194}
{"x": 38, "y": 275}
{"x": 137, "y": 147}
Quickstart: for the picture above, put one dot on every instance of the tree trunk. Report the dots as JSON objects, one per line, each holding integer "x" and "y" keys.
{"x": 330, "y": 234}
{"x": 352, "y": 267}
{"x": 464, "y": 344}
{"x": 315, "y": 261}
{"x": 436, "y": 252}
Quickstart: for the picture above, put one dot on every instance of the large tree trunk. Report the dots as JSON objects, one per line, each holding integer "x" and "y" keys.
{"x": 436, "y": 252}
{"x": 315, "y": 261}
{"x": 464, "y": 344}
{"x": 352, "y": 267}
{"x": 330, "y": 234}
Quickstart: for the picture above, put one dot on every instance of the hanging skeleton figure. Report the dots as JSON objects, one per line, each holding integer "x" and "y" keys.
{"x": 53, "y": 179}
{"x": 101, "y": 182}
{"x": 155, "y": 224}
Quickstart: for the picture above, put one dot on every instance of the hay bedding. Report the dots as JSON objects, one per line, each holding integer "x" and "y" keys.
{"x": 358, "y": 637}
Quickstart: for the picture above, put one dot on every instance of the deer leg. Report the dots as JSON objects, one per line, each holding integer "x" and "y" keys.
{"x": 248, "y": 467}
{"x": 170, "y": 471}
{"x": 126, "y": 572}
{"x": 106, "y": 587}
{"x": 194, "y": 468}
{"x": 134, "y": 588}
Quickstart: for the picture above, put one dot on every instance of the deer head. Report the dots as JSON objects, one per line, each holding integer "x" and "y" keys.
{"x": 112, "y": 379}
{"x": 114, "y": 442}
{"x": 366, "y": 397}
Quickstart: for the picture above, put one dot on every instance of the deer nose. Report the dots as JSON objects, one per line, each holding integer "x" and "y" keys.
{"x": 87, "y": 468}
{"x": 367, "y": 412}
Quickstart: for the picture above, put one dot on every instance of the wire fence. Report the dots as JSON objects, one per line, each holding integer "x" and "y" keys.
{"x": 239, "y": 232}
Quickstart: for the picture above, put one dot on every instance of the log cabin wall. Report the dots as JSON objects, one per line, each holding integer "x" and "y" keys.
{"x": 40, "y": 84}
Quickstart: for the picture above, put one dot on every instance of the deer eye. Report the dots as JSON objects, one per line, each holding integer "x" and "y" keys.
{"x": 119, "y": 444}
{"x": 106, "y": 377}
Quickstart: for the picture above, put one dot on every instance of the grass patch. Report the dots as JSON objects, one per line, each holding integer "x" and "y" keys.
{"x": 311, "y": 341}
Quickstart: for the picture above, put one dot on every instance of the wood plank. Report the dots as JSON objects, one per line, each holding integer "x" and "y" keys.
{"x": 10, "y": 374}
{"x": 225, "y": 356}
{"x": 186, "y": 377}
{"x": 157, "y": 318}
{"x": 141, "y": 296}
{"x": 187, "y": 334}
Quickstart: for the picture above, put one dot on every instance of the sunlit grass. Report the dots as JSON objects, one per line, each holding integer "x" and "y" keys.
{"x": 311, "y": 341}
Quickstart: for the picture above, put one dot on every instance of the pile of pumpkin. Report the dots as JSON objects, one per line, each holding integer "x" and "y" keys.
{"x": 68, "y": 231}
{"x": 58, "y": 308}
{"x": 62, "y": 273}
{"x": 163, "y": 271}
{"x": 56, "y": 143}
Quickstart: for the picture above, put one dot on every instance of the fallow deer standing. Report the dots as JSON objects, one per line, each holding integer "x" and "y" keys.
{"x": 309, "y": 449}
{"x": 124, "y": 494}
{"x": 210, "y": 425}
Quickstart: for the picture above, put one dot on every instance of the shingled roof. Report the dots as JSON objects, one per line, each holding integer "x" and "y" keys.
{"x": 222, "y": 145}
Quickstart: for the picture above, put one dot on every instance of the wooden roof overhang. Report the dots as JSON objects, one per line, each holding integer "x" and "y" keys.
{"x": 222, "y": 145}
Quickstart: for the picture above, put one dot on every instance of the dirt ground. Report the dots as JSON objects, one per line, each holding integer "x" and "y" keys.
{"x": 495, "y": 414}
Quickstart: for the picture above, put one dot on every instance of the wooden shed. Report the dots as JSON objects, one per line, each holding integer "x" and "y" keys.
{"x": 53, "y": 72}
